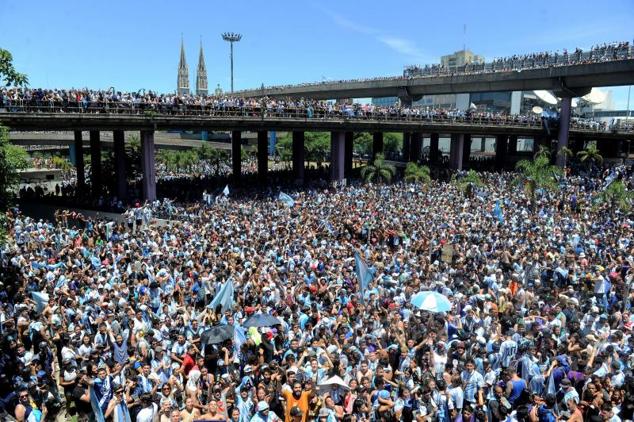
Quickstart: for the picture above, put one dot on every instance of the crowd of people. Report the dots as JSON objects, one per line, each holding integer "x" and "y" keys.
{"x": 100, "y": 101}
{"x": 619, "y": 50}
{"x": 598, "y": 53}
{"x": 262, "y": 306}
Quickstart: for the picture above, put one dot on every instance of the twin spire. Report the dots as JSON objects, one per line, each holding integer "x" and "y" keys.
{"x": 182, "y": 85}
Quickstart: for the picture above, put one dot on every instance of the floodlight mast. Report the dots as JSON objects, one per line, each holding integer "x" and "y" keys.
{"x": 231, "y": 37}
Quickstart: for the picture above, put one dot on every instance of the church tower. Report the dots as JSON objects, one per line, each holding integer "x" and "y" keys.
{"x": 201, "y": 74}
{"x": 182, "y": 85}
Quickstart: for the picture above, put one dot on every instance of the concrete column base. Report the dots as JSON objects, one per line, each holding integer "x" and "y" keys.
{"x": 148, "y": 165}
{"x": 120, "y": 163}
{"x": 337, "y": 156}
{"x": 263, "y": 155}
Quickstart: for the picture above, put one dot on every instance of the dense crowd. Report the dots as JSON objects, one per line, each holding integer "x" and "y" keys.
{"x": 599, "y": 53}
{"x": 98, "y": 101}
{"x": 245, "y": 307}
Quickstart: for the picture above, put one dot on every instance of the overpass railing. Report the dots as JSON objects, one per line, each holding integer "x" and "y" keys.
{"x": 158, "y": 110}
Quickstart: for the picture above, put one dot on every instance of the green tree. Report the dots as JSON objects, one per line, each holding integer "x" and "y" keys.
{"x": 392, "y": 142}
{"x": 378, "y": 171}
{"x": 590, "y": 155}
{"x": 8, "y": 74}
{"x": 537, "y": 174}
{"x": 317, "y": 146}
{"x": 62, "y": 164}
{"x": 468, "y": 182}
{"x": 616, "y": 197}
{"x": 12, "y": 159}
{"x": 284, "y": 149}
{"x": 417, "y": 173}
{"x": 362, "y": 143}
{"x": 565, "y": 153}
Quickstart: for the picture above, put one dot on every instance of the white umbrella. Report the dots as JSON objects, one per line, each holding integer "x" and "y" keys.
{"x": 332, "y": 383}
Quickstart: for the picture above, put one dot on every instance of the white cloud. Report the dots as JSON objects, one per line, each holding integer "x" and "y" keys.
{"x": 404, "y": 46}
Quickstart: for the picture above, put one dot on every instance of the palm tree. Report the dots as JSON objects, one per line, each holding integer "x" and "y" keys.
{"x": 537, "y": 174}
{"x": 542, "y": 150}
{"x": 416, "y": 173}
{"x": 379, "y": 170}
{"x": 565, "y": 153}
{"x": 590, "y": 155}
{"x": 616, "y": 196}
{"x": 466, "y": 183}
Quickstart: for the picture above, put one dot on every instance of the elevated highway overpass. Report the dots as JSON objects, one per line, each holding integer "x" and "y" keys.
{"x": 414, "y": 127}
{"x": 565, "y": 80}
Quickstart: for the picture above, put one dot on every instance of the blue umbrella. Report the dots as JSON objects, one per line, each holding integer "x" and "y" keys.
{"x": 261, "y": 320}
{"x": 431, "y": 301}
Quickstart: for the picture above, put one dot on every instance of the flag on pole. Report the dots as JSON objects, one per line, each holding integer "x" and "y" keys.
{"x": 286, "y": 199}
{"x": 364, "y": 273}
{"x": 224, "y": 298}
{"x": 225, "y": 191}
{"x": 497, "y": 211}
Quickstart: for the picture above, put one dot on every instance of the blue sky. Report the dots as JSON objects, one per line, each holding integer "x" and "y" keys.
{"x": 135, "y": 44}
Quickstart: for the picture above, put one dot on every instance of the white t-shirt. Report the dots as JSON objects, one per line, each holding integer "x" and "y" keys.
{"x": 148, "y": 414}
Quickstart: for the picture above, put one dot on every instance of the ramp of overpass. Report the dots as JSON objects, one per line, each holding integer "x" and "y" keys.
{"x": 566, "y": 79}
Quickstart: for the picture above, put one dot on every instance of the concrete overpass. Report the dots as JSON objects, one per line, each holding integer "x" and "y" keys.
{"x": 461, "y": 130}
{"x": 565, "y": 80}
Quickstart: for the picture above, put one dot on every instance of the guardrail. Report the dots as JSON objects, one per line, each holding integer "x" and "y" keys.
{"x": 164, "y": 110}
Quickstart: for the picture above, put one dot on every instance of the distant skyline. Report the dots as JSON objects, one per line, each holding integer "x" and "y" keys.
{"x": 135, "y": 45}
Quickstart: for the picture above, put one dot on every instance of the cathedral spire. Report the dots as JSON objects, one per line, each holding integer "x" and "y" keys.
{"x": 182, "y": 85}
{"x": 201, "y": 74}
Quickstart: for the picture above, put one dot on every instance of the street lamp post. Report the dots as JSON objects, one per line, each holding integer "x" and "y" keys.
{"x": 231, "y": 38}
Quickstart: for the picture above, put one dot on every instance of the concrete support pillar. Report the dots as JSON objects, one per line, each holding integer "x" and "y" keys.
{"x": 298, "y": 156}
{"x": 95, "y": 163}
{"x": 263, "y": 154}
{"x": 416, "y": 146}
{"x": 564, "y": 128}
{"x": 118, "y": 137}
{"x": 466, "y": 151}
{"x": 434, "y": 152}
{"x": 349, "y": 151}
{"x": 236, "y": 153}
{"x": 456, "y": 151}
{"x": 501, "y": 149}
{"x": 377, "y": 144}
{"x": 406, "y": 145}
{"x": 337, "y": 156}
{"x": 79, "y": 161}
{"x": 148, "y": 165}
{"x": 483, "y": 144}
{"x": 512, "y": 145}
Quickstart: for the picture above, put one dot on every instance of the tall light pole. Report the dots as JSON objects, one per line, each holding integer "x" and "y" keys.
{"x": 231, "y": 38}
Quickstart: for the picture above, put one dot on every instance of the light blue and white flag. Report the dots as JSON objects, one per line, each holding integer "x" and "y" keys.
{"x": 497, "y": 211}
{"x": 286, "y": 199}
{"x": 40, "y": 299}
{"x": 224, "y": 298}
{"x": 225, "y": 191}
{"x": 364, "y": 273}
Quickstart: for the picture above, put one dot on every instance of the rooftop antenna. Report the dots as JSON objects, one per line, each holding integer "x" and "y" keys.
{"x": 464, "y": 37}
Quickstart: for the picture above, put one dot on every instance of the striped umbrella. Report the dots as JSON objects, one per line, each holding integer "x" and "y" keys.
{"x": 431, "y": 301}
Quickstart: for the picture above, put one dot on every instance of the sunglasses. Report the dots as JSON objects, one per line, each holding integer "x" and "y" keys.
{"x": 24, "y": 396}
